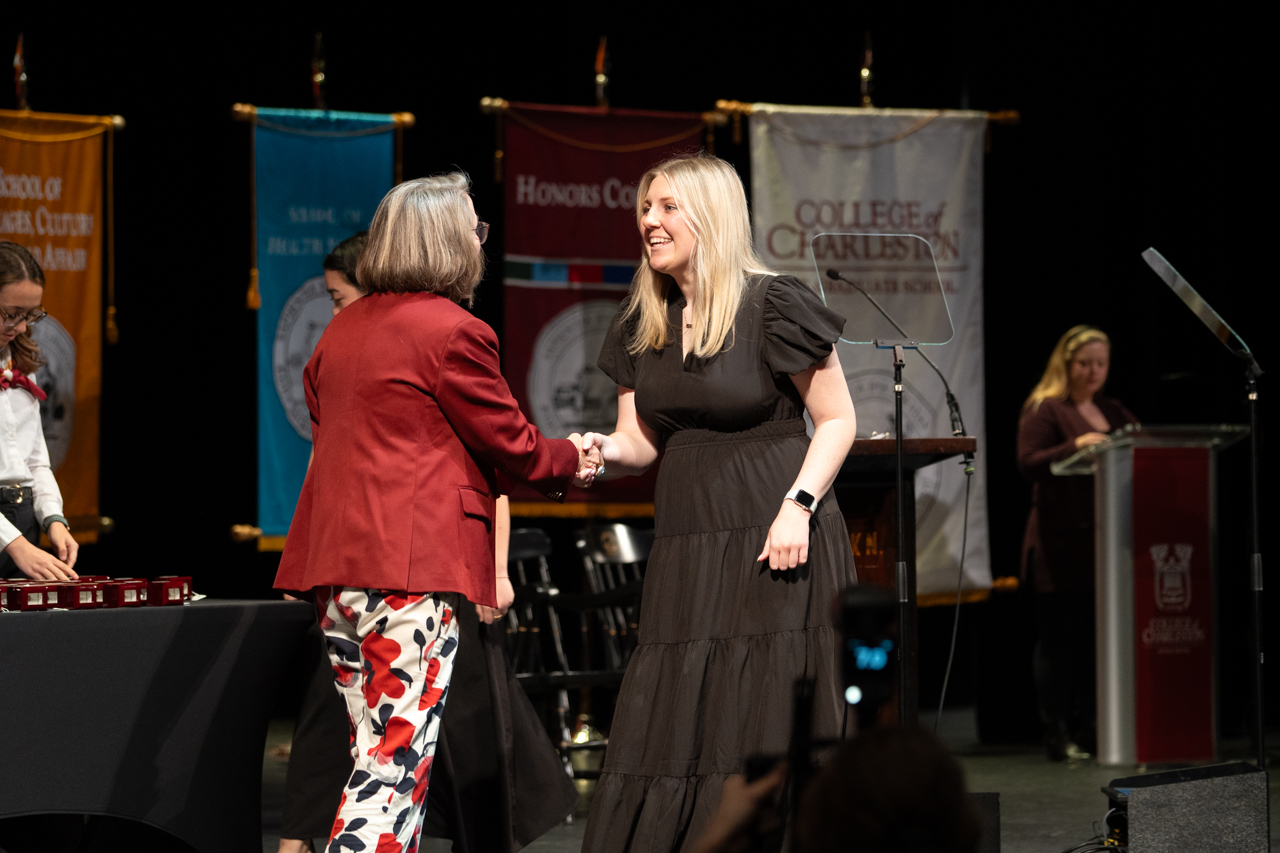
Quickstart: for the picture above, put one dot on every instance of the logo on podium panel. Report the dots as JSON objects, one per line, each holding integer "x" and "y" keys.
{"x": 1173, "y": 576}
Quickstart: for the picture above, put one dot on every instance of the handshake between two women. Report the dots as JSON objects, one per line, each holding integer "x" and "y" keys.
{"x": 590, "y": 463}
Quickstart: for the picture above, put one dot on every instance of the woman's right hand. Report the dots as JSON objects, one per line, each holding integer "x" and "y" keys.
{"x": 38, "y": 564}
{"x": 1089, "y": 439}
{"x": 607, "y": 446}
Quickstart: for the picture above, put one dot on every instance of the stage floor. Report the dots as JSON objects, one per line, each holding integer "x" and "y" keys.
{"x": 1044, "y": 807}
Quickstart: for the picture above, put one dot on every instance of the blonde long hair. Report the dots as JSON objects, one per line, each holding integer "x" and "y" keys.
{"x": 1054, "y": 384}
{"x": 710, "y": 197}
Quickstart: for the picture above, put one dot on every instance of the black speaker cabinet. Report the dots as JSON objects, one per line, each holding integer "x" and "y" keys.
{"x": 1220, "y": 808}
{"x": 989, "y": 810}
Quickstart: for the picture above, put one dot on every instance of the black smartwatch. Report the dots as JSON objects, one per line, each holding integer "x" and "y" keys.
{"x": 801, "y": 497}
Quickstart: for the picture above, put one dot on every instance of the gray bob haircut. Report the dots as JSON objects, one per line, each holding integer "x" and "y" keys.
{"x": 422, "y": 240}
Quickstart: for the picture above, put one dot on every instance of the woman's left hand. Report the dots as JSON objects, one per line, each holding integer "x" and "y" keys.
{"x": 506, "y": 597}
{"x": 787, "y": 544}
{"x": 64, "y": 544}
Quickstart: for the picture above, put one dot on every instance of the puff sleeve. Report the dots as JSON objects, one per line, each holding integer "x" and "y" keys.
{"x": 799, "y": 331}
{"x": 618, "y": 364}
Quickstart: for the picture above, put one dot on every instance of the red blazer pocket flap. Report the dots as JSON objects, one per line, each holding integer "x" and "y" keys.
{"x": 476, "y": 505}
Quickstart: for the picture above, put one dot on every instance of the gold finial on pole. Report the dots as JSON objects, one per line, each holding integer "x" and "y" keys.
{"x": 864, "y": 76}
{"x": 20, "y": 75}
{"x": 602, "y": 73}
{"x": 317, "y": 74}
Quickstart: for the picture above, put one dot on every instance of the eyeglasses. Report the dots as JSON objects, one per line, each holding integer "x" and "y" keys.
{"x": 35, "y": 315}
{"x": 482, "y": 231}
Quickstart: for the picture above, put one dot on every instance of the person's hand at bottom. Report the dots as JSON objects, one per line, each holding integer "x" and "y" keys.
{"x": 740, "y": 807}
{"x": 787, "y": 544}
{"x": 37, "y": 563}
{"x": 64, "y": 544}
{"x": 506, "y": 597}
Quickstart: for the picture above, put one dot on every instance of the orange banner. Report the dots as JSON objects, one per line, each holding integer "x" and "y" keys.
{"x": 51, "y": 202}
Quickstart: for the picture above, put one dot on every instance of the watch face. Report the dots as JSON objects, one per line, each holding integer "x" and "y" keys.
{"x": 804, "y": 498}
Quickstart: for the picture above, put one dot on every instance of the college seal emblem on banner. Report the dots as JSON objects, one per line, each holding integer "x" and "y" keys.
{"x": 567, "y": 392}
{"x": 302, "y": 321}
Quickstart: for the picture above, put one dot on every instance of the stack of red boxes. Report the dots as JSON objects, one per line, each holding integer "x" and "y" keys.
{"x": 93, "y": 591}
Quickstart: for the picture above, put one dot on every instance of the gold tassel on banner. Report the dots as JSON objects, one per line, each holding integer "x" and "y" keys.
{"x": 253, "y": 299}
{"x": 496, "y": 107}
{"x": 249, "y": 113}
{"x": 112, "y": 330}
{"x": 402, "y": 121}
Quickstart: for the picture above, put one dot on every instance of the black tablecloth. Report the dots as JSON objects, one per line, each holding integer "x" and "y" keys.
{"x": 157, "y": 714}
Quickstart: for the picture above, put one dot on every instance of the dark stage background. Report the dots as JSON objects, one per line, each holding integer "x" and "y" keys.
{"x": 1131, "y": 136}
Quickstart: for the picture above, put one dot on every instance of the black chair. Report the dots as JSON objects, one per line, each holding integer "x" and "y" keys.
{"x": 613, "y": 558}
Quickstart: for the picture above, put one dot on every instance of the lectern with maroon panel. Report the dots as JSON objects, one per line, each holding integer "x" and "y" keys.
{"x": 1155, "y": 516}
{"x": 868, "y": 498}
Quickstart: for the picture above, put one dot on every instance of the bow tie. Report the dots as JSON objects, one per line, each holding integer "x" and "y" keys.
{"x": 10, "y": 378}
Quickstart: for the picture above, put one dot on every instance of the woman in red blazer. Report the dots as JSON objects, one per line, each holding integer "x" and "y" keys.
{"x": 410, "y": 420}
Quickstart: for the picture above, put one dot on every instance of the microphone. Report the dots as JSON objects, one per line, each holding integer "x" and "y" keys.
{"x": 953, "y": 405}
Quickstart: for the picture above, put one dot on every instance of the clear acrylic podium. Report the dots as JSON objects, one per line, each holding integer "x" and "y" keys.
{"x": 1155, "y": 516}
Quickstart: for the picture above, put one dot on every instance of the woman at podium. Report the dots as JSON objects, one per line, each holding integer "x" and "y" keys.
{"x": 1065, "y": 413}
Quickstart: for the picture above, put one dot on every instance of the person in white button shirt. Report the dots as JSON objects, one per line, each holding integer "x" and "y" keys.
{"x": 29, "y": 495}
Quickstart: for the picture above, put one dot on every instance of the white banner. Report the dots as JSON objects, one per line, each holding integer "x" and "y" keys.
{"x": 826, "y": 169}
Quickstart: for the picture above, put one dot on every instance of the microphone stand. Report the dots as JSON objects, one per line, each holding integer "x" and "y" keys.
{"x": 953, "y": 405}
{"x": 908, "y": 640}
{"x": 1233, "y": 342}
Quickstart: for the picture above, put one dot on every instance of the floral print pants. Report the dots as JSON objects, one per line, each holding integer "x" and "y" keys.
{"x": 392, "y": 656}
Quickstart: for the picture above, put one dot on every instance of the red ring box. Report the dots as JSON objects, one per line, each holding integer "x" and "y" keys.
{"x": 124, "y": 592}
{"x": 186, "y": 584}
{"x": 29, "y": 595}
{"x": 80, "y": 595}
{"x": 163, "y": 592}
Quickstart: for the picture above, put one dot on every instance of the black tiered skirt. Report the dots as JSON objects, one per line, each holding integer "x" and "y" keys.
{"x": 722, "y": 638}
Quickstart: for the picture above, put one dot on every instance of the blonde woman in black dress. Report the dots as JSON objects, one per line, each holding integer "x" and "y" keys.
{"x": 717, "y": 360}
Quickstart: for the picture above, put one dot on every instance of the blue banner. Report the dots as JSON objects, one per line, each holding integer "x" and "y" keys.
{"x": 320, "y": 175}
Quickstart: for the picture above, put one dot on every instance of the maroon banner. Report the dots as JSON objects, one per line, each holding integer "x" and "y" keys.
{"x": 1173, "y": 604}
{"x": 572, "y": 246}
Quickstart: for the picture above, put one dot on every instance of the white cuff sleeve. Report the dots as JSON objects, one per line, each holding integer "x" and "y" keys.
{"x": 48, "y": 498}
{"x": 44, "y": 486}
{"x": 8, "y": 532}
